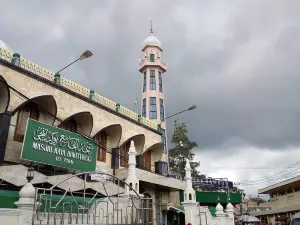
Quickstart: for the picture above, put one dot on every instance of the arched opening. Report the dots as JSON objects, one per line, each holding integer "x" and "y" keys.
{"x": 148, "y": 208}
{"x": 80, "y": 122}
{"x": 108, "y": 137}
{"x": 70, "y": 125}
{"x": 150, "y": 156}
{"x": 144, "y": 161}
{"x": 4, "y": 95}
{"x": 30, "y": 111}
{"x": 124, "y": 154}
{"x": 101, "y": 138}
{"x": 139, "y": 141}
{"x": 41, "y": 108}
{"x": 190, "y": 196}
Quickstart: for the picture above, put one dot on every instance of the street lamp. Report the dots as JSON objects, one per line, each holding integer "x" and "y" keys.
{"x": 161, "y": 130}
{"x": 85, "y": 55}
{"x": 188, "y": 109}
{"x": 30, "y": 174}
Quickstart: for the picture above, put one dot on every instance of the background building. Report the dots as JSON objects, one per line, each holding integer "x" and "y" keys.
{"x": 284, "y": 202}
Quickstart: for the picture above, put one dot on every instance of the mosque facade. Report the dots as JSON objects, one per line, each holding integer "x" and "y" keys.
{"x": 30, "y": 92}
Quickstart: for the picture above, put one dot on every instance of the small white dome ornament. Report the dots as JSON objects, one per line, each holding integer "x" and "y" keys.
{"x": 219, "y": 208}
{"x": 27, "y": 197}
{"x": 229, "y": 206}
{"x": 152, "y": 40}
{"x": 28, "y": 191}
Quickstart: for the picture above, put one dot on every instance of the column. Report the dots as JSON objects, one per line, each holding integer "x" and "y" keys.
{"x": 190, "y": 205}
{"x": 26, "y": 204}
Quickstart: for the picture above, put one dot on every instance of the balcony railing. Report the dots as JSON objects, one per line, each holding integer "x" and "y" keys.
{"x": 155, "y": 62}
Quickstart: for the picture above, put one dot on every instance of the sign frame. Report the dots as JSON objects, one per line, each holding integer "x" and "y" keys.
{"x": 94, "y": 150}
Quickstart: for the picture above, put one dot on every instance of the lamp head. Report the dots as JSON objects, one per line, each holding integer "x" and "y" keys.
{"x": 30, "y": 174}
{"x": 86, "y": 54}
{"x": 192, "y": 107}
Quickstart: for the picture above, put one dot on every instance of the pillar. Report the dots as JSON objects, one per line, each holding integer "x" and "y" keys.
{"x": 16, "y": 59}
{"x": 92, "y": 95}
{"x": 190, "y": 205}
{"x": 118, "y": 107}
{"x": 132, "y": 179}
{"x": 26, "y": 204}
{"x": 57, "y": 78}
{"x": 230, "y": 212}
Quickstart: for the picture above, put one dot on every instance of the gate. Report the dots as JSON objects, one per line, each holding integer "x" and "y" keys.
{"x": 109, "y": 204}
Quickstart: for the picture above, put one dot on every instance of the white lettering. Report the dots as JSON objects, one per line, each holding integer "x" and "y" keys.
{"x": 61, "y": 152}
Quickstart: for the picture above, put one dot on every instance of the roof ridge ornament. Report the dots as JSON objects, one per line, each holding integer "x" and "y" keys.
{"x": 151, "y": 29}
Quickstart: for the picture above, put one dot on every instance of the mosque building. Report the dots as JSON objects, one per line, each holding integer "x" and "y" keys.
{"x": 37, "y": 105}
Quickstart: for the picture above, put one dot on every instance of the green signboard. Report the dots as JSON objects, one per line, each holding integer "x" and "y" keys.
{"x": 57, "y": 147}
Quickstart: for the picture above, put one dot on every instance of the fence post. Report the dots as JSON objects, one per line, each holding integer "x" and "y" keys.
{"x": 26, "y": 204}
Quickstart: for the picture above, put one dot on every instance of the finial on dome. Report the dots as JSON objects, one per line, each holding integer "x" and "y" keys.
{"x": 151, "y": 29}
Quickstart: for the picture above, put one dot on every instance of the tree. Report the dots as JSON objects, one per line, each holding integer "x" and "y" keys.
{"x": 182, "y": 150}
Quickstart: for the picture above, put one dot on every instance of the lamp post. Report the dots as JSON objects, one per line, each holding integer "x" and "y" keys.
{"x": 188, "y": 109}
{"x": 30, "y": 174}
{"x": 85, "y": 55}
{"x": 159, "y": 126}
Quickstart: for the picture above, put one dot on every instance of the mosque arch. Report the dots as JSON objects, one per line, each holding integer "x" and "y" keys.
{"x": 139, "y": 142}
{"x": 41, "y": 108}
{"x": 109, "y": 137}
{"x": 82, "y": 122}
{"x": 4, "y": 95}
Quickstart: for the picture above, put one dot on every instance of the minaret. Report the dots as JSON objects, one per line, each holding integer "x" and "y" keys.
{"x": 189, "y": 193}
{"x": 152, "y": 68}
{"x": 190, "y": 204}
{"x": 131, "y": 178}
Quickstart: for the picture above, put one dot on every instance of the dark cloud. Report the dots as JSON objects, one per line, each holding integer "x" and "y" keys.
{"x": 237, "y": 61}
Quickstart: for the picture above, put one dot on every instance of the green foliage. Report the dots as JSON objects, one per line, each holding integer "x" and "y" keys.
{"x": 182, "y": 150}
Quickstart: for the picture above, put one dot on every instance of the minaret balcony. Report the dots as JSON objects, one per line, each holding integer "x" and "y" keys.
{"x": 157, "y": 63}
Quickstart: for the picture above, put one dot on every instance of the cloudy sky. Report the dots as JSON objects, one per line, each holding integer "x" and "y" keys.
{"x": 238, "y": 61}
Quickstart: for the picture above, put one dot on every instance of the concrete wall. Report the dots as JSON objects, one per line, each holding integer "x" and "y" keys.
{"x": 9, "y": 216}
{"x": 287, "y": 200}
{"x": 68, "y": 105}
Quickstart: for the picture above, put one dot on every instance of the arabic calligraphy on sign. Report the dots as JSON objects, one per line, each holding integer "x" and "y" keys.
{"x": 54, "y": 138}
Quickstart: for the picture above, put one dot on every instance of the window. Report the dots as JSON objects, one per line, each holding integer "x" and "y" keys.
{"x": 70, "y": 125}
{"x": 147, "y": 161}
{"x": 144, "y": 108}
{"x": 153, "y": 114}
{"x": 152, "y": 80}
{"x": 163, "y": 140}
{"x": 29, "y": 111}
{"x": 102, "y": 145}
{"x": 160, "y": 82}
{"x": 148, "y": 214}
{"x": 162, "y": 112}
{"x": 124, "y": 154}
{"x": 145, "y": 81}
{"x": 296, "y": 221}
{"x": 152, "y": 58}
